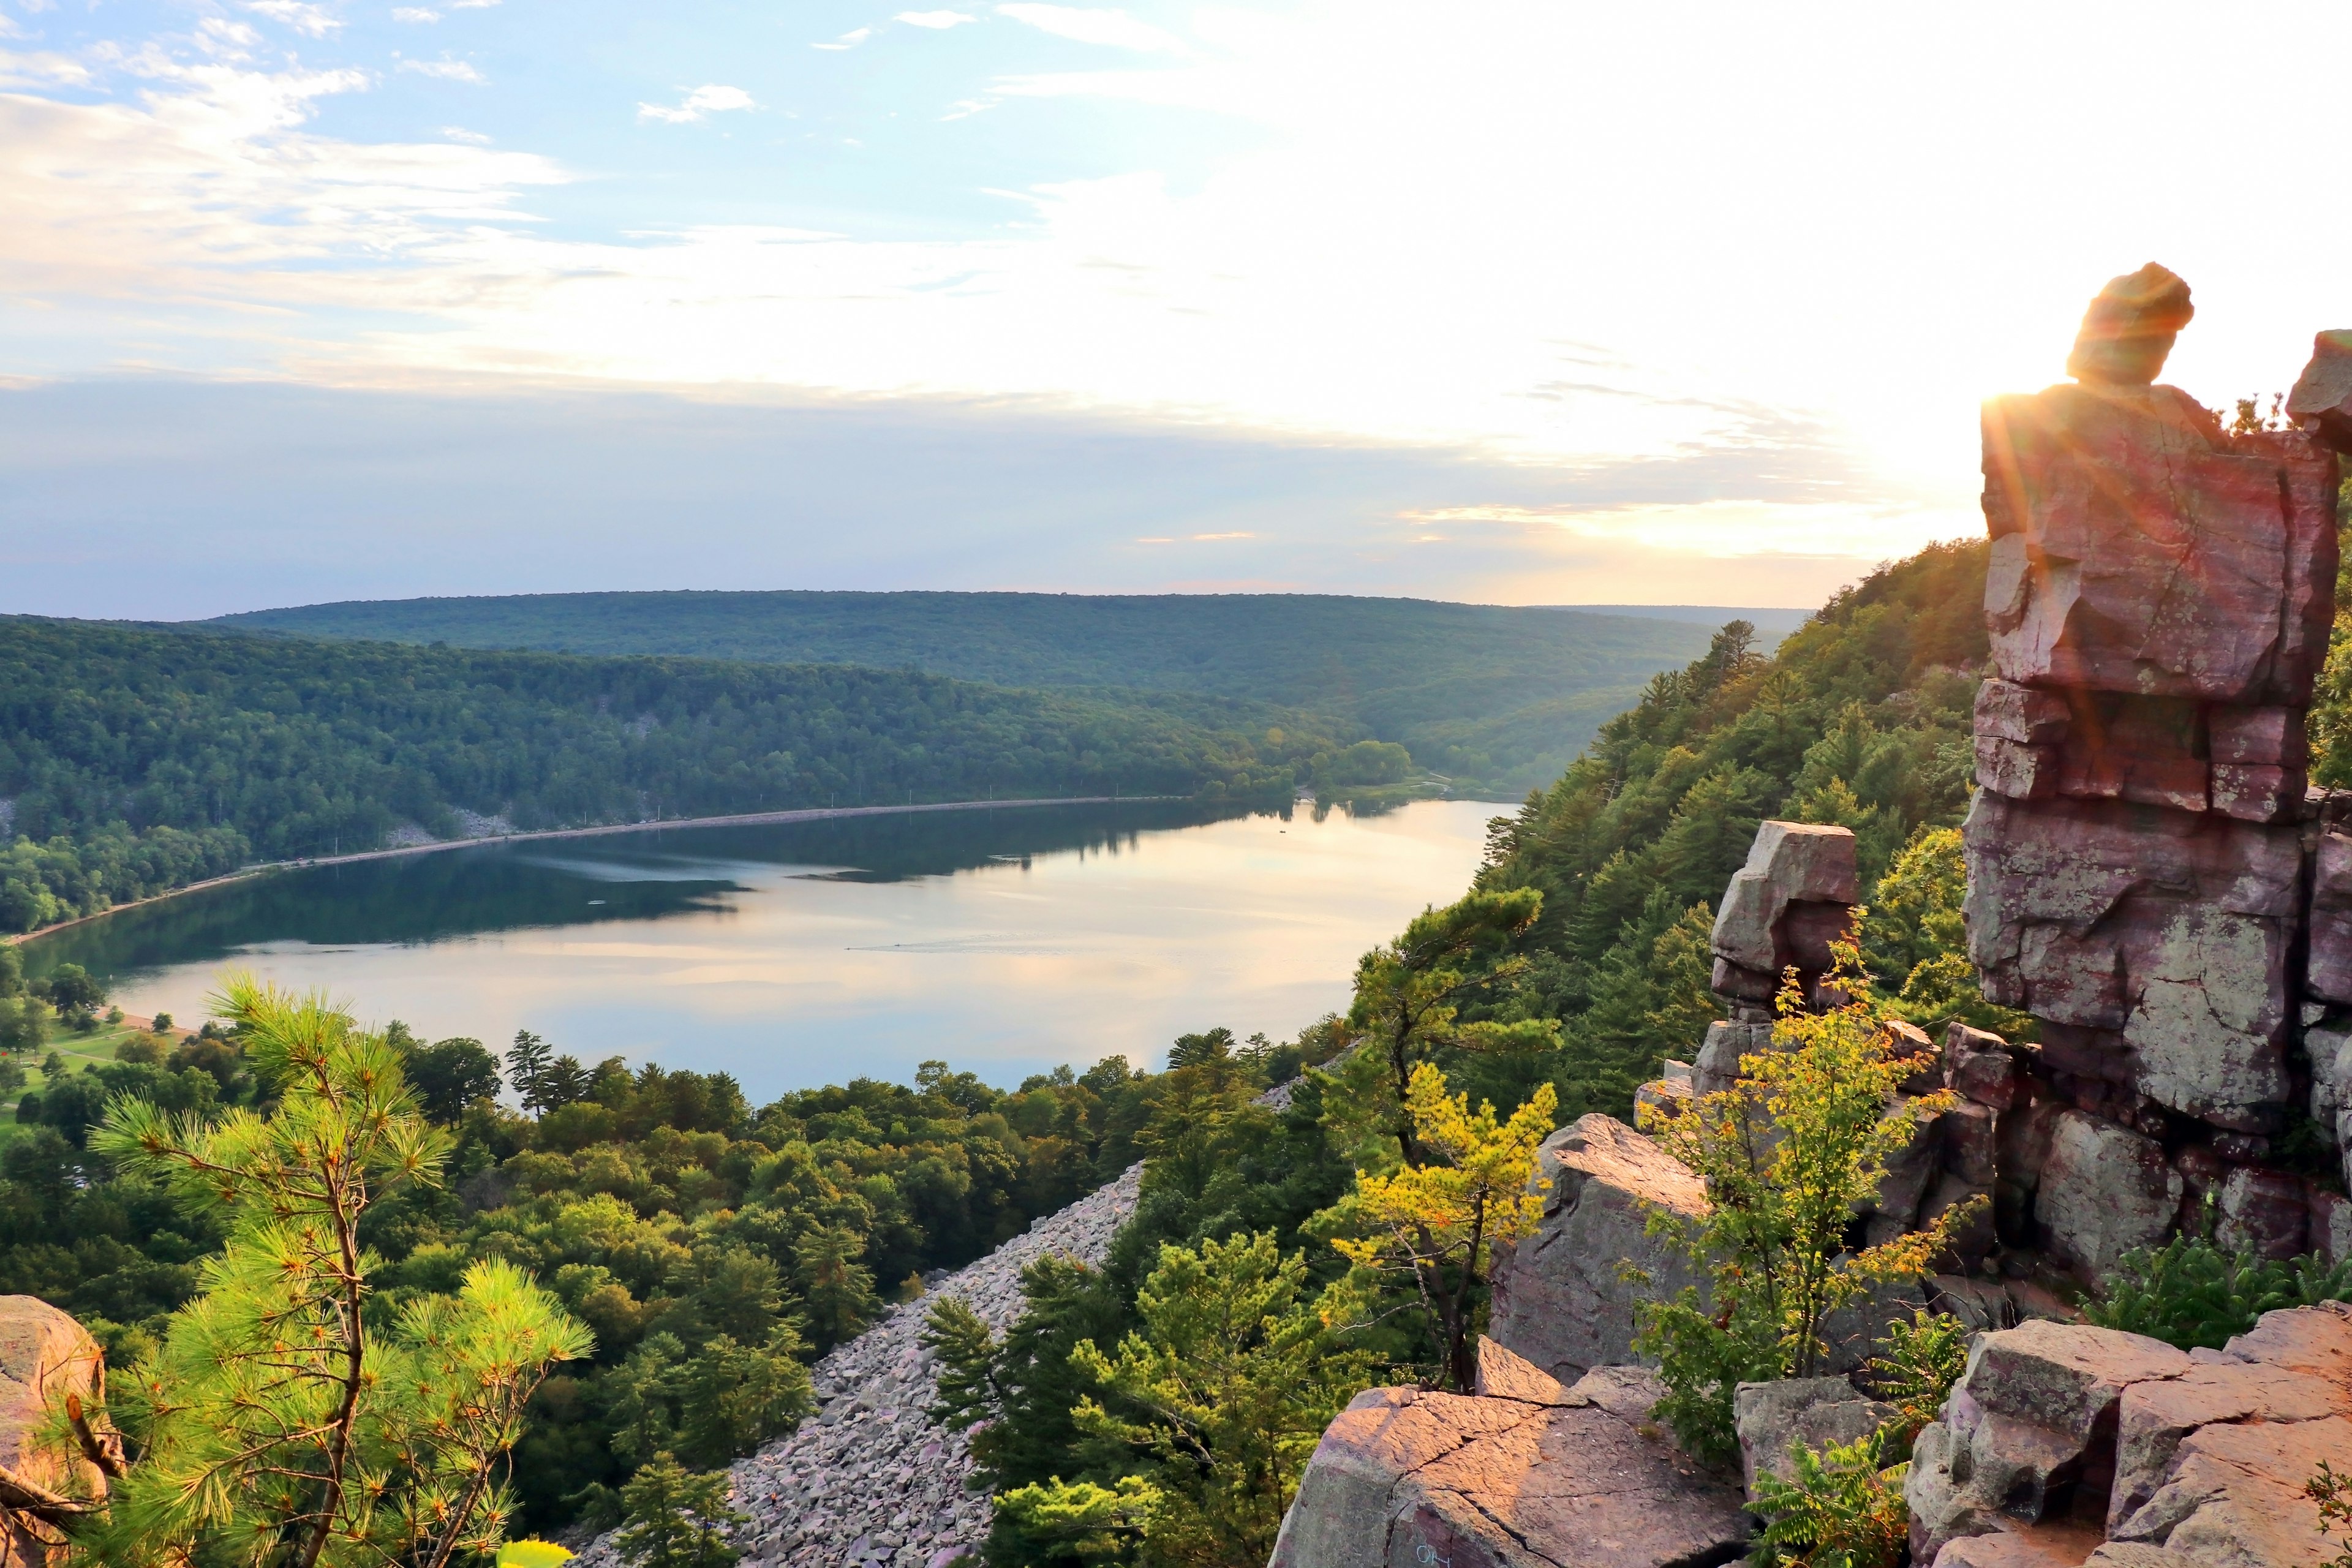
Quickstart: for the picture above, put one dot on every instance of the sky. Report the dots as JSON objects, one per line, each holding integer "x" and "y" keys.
{"x": 1547, "y": 303}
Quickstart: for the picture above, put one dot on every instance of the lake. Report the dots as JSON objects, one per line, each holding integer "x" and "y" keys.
{"x": 1002, "y": 942}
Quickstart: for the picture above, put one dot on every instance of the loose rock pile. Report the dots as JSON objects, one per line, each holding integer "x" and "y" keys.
{"x": 871, "y": 1481}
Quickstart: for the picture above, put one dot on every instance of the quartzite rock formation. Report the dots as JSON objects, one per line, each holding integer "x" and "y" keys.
{"x": 2147, "y": 869}
{"x": 2061, "y": 1436}
{"x": 1527, "y": 1474}
{"x": 1561, "y": 1298}
{"x": 45, "y": 1356}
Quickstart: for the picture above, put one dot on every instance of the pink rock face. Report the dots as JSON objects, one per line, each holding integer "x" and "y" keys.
{"x": 2105, "y": 1191}
{"x": 2265, "y": 1213}
{"x": 2137, "y": 549}
{"x": 2169, "y": 932}
{"x": 1407, "y": 1479}
{"x": 2322, "y": 399}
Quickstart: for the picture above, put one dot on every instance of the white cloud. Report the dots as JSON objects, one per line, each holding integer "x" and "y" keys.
{"x": 310, "y": 21}
{"x": 965, "y": 108}
{"x": 847, "y": 40}
{"x": 936, "y": 19}
{"x": 472, "y": 4}
{"x": 446, "y": 70}
{"x": 40, "y": 69}
{"x": 703, "y": 101}
{"x": 1087, "y": 25}
{"x": 414, "y": 13}
{"x": 459, "y": 133}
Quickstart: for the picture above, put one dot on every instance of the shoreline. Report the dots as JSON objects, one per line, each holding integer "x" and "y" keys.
{"x": 737, "y": 819}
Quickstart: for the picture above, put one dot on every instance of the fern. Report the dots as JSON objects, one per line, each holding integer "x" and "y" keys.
{"x": 1844, "y": 1509}
{"x": 1919, "y": 1362}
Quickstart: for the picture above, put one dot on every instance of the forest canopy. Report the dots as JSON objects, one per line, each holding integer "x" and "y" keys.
{"x": 133, "y": 760}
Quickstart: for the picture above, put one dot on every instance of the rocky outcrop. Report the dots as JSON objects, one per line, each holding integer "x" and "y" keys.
{"x": 1563, "y": 1298}
{"x": 2148, "y": 874}
{"x": 1774, "y": 1419}
{"x": 1533, "y": 1474}
{"x": 44, "y": 1357}
{"x": 2086, "y": 1443}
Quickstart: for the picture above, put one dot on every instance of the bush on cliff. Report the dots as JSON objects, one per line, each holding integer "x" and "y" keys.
{"x": 1789, "y": 1158}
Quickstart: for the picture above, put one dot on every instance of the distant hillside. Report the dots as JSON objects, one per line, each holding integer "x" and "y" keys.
{"x": 1499, "y": 697}
{"x": 135, "y": 760}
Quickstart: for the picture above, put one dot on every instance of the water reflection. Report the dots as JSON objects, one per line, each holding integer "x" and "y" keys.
{"x": 1007, "y": 942}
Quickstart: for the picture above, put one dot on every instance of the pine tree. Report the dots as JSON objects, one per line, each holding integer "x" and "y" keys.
{"x": 279, "y": 1425}
{"x": 677, "y": 1519}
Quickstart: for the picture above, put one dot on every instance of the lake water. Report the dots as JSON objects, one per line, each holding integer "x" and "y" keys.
{"x": 1002, "y": 942}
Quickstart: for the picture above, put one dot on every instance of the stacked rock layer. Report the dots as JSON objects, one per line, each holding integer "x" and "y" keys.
{"x": 2148, "y": 875}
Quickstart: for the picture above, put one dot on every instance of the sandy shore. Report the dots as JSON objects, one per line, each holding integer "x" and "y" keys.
{"x": 743, "y": 819}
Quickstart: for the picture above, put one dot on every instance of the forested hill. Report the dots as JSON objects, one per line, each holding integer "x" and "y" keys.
{"x": 1499, "y": 697}
{"x": 1861, "y": 717}
{"x": 131, "y": 761}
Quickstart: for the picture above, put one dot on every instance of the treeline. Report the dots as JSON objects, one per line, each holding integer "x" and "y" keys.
{"x": 132, "y": 761}
{"x": 1496, "y": 694}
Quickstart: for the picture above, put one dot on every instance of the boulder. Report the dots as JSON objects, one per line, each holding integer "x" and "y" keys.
{"x": 1793, "y": 894}
{"x": 2233, "y": 1495}
{"x": 2316, "y": 1340}
{"x": 2162, "y": 939}
{"x": 1406, "y": 1478}
{"x": 1775, "y": 1418}
{"x": 2156, "y": 1417}
{"x": 1980, "y": 1069}
{"x": 2262, "y": 1212}
{"x": 2012, "y": 1544}
{"x": 2128, "y": 331}
{"x": 1728, "y": 1040}
{"x": 2104, "y": 1190}
{"x": 1561, "y": 1298}
{"x": 45, "y": 1356}
{"x": 2031, "y": 1419}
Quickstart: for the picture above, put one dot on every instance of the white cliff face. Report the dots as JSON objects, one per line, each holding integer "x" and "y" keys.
{"x": 870, "y": 1481}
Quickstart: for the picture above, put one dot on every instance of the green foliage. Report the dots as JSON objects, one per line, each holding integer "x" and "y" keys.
{"x": 1409, "y": 997}
{"x": 140, "y": 760}
{"x": 1844, "y": 1509}
{"x": 1438, "y": 1223}
{"x": 677, "y": 1519}
{"x": 1786, "y": 1157}
{"x": 449, "y": 1075}
{"x": 2333, "y": 1493}
{"x": 1863, "y": 717}
{"x": 1916, "y": 1365}
{"x": 2191, "y": 1294}
{"x": 1500, "y": 696}
{"x": 282, "y": 1419}
{"x": 1915, "y": 943}
{"x": 1224, "y": 1389}
{"x": 1076, "y": 1522}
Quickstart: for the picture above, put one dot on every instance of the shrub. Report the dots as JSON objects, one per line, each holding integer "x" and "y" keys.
{"x": 2333, "y": 1493}
{"x": 1844, "y": 1509}
{"x": 1787, "y": 1157}
{"x": 2191, "y": 1294}
{"x": 1917, "y": 1363}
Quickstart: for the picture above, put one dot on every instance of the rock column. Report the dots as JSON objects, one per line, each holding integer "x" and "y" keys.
{"x": 2160, "y": 597}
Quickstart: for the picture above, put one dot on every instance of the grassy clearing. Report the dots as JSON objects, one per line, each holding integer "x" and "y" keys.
{"x": 78, "y": 1051}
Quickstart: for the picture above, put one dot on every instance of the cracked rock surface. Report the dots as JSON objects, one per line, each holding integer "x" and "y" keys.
{"x": 1527, "y": 1474}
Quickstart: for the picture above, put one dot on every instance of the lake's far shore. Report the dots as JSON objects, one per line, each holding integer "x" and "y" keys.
{"x": 739, "y": 819}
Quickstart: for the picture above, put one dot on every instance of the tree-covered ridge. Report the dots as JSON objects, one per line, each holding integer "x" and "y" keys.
{"x": 135, "y": 760}
{"x": 1494, "y": 696}
{"x": 1861, "y": 717}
